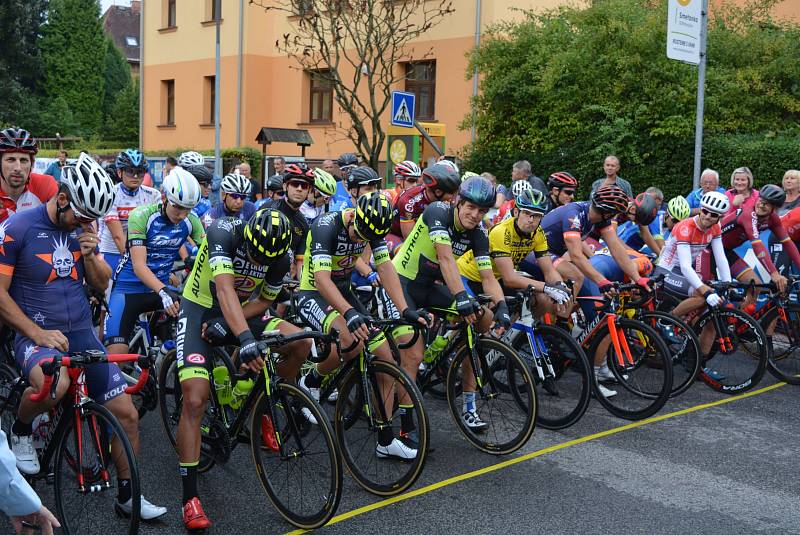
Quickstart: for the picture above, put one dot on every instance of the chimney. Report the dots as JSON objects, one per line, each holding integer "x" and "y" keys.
{"x": 136, "y": 6}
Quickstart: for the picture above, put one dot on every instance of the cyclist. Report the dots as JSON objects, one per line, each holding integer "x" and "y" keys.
{"x": 43, "y": 266}
{"x": 509, "y": 243}
{"x": 689, "y": 238}
{"x": 341, "y": 199}
{"x": 320, "y": 197}
{"x": 678, "y": 209}
{"x": 156, "y": 232}
{"x": 517, "y": 188}
{"x": 131, "y": 166}
{"x": 204, "y": 176}
{"x": 20, "y": 189}
{"x": 327, "y": 301}
{"x": 746, "y": 224}
{"x": 235, "y": 190}
{"x": 406, "y": 176}
{"x": 641, "y": 226}
{"x": 237, "y": 260}
{"x": 561, "y": 187}
{"x": 439, "y": 183}
{"x": 428, "y": 269}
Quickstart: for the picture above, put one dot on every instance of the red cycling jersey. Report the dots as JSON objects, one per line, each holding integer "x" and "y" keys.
{"x": 408, "y": 207}
{"x": 37, "y": 192}
{"x": 791, "y": 222}
{"x": 687, "y": 232}
{"x": 744, "y": 224}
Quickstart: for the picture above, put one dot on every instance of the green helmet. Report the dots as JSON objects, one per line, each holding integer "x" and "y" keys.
{"x": 678, "y": 208}
{"x": 324, "y": 182}
{"x": 532, "y": 200}
{"x": 468, "y": 174}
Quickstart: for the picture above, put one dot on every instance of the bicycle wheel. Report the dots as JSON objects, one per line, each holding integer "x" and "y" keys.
{"x": 563, "y": 392}
{"x": 683, "y": 346}
{"x": 170, "y": 405}
{"x": 88, "y": 509}
{"x": 9, "y": 398}
{"x": 741, "y": 366}
{"x": 642, "y": 380}
{"x": 362, "y": 417}
{"x": 783, "y": 334}
{"x": 304, "y": 481}
{"x": 506, "y": 402}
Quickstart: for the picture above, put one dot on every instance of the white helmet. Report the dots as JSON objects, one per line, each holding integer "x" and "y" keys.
{"x": 91, "y": 190}
{"x": 189, "y": 158}
{"x": 233, "y": 183}
{"x": 519, "y": 187}
{"x": 181, "y": 188}
{"x": 715, "y": 201}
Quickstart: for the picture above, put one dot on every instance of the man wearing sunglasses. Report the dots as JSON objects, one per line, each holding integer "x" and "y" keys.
{"x": 407, "y": 175}
{"x": 319, "y": 198}
{"x": 43, "y": 266}
{"x": 235, "y": 190}
{"x": 561, "y": 187}
{"x": 131, "y": 167}
{"x": 19, "y": 188}
{"x": 298, "y": 180}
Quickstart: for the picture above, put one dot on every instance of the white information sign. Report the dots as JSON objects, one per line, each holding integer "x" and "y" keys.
{"x": 684, "y": 21}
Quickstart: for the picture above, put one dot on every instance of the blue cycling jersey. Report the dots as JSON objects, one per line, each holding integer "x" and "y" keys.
{"x": 148, "y": 227}
{"x": 572, "y": 218}
{"x": 46, "y": 269}
{"x": 628, "y": 232}
{"x": 202, "y": 207}
{"x": 219, "y": 211}
{"x": 341, "y": 199}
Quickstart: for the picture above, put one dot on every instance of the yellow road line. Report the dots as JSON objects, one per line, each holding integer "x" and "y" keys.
{"x": 528, "y": 456}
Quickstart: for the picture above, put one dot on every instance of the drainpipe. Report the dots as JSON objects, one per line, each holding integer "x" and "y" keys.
{"x": 239, "y": 76}
{"x": 141, "y": 74}
{"x": 475, "y": 72}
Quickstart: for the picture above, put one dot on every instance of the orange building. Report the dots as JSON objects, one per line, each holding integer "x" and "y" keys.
{"x": 260, "y": 86}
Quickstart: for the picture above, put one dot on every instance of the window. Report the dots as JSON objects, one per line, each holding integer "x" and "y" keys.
{"x": 321, "y": 97}
{"x": 168, "y": 102}
{"x": 421, "y": 80}
{"x": 209, "y": 94}
{"x": 131, "y": 41}
{"x": 171, "y": 18}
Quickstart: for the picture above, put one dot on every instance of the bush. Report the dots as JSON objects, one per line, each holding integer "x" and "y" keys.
{"x": 235, "y": 155}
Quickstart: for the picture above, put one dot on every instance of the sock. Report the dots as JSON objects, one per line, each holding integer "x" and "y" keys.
{"x": 407, "y": 418}
{"x": 189, "y": 480}
{"x": 385, "y": 435}
{"x": 313, "y": 379}
{"x": 123, "y": 490}
{"x": 21, "y": 429}
{"x": 469, "y": 401}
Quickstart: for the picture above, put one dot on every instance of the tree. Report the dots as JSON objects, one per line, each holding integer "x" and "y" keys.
{"x": 122, "y": 122}
{"x": 20, "y": 63}
{"x": 566, "y": 87}
{"x": 356, "y": 46}
{"x": 117, "y": 76}
{"x": 73, "y": 51}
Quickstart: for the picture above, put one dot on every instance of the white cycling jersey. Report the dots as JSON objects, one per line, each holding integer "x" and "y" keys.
{"x": 124, "y": 203}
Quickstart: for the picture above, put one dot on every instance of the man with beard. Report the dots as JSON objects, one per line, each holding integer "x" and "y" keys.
{"x": 19, "y": 188}
{"x": 298, "y": 180}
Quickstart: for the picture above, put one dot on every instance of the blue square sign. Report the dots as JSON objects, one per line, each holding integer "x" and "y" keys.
{"x": 403, "y": 109}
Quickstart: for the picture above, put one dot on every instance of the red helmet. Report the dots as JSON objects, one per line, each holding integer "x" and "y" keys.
{"x": 18, "y": 140}
{"x": 610, "y": 198}
{"x": 407, "y": 169}
{"x": 646, "y": 209}
{"x": 562, "y": 179}
{"x": 298, "y": 171}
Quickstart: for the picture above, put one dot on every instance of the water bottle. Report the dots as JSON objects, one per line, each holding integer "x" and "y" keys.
{"x": 435, "y": 349}
{"x": 166, "y": 347}
{"x": 222, "y": 382}
{"x": 241, "y": 391}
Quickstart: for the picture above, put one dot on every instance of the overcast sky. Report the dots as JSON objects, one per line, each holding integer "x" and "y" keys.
{"x": 104, "y": 4}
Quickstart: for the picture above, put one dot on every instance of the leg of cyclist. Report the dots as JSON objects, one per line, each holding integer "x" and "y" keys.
{"x": 294, "y": 353}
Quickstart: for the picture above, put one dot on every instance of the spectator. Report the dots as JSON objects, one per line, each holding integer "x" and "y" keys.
{"x": 256, "y": 188}
{"x": 54, "y": 169}
{"x": 522, "y": 171}
{"x": 791, "y": 185}
{"x": 709, "y": 181}
{"x": 329, "y": 166}
{"x": 18, "y": 500}
{"x": 169, "y": 165}
{"x": 279, "y": 164}
{"x": 742, "y": 193}
{"x": 611, "y": 168}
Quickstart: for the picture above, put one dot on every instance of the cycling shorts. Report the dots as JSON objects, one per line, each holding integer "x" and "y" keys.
{"x": 194, "y": 354}
{"x": 104, "y": 380}
{"x": 123, "y": 313}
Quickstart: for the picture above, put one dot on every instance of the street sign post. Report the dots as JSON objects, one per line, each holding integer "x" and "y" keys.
{"x": 403, "y": 109}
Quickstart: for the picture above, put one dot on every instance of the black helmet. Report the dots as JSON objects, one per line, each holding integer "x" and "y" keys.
{"x": 479, "y": 191}
{"x": 298, "y": 171}
{"x": 772, "y": 194}
{"x": 646, "y": 209}
{"x": 275, "y": 183}
{"x": 362, "y": 176}
{"x": 610, "y": 198}
{"x": 268, "y": 235}
{"x": 443, "y": 177}
{"x": 131, "y": 159}
{"x": 348, "y": 158}
{"x": 202, "y": 173}
{"x": 373, "y": 216}
{"x": 562, "y": 179}
{"x": 18, "y": 140}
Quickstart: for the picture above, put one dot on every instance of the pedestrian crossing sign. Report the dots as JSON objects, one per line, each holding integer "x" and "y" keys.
{"x": 403, "y": 109}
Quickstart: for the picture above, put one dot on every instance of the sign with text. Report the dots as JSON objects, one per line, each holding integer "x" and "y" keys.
{"x": 684, "y": 24}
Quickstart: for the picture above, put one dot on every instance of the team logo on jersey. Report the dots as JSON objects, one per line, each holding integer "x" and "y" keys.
{"x": 62, "y": 259}
{"x": 575, "y": 222}
{"x": 4, "y": 239}
{"x": 27, "y": 353}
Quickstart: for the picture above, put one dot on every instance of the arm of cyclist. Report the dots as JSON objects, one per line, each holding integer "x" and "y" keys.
{"x": 577, "y": 257}
{"x": 234, "y": 316}
{"x": 117, "y": 234}
{"x": 723, "y": 268}
{"x": 511, "y": 277}
{"x": 490, "y": 285}
{"x": 169, "y": 298}
{"x": 779, "y": 231}
{"x": 332, "y": 295}
{"x": 452, "y": 277}
{"x": 97, "y": 272}
{"x": 365, "y": 270}
{"x": 620, "y": 255}
{"x": 649, "y": 239}
{"x": 406, "y": 227}
{"x": 13, "y": 316}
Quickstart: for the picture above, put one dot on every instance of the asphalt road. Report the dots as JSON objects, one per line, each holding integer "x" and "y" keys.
{"x": 720, "y": 468}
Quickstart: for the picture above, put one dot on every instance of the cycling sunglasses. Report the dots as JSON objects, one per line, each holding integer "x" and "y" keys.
{"x": 238, "y": 196}
{"x": 134, "y": 172}
{"x": 710, "y": 214}
{"x": 85, "y": 220}
{"x": 300, "y": 184}
{"x": 570, "y": 192}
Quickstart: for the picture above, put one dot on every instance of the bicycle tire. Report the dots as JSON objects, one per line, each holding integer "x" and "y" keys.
{"x": 784, "y": 363}
{"x": 10, "y": 398}
{"x": 87, "y": 512}
{"x": 642, "y": 387}
{"x": 571, "y": 377}
{"x": 736, "y": 371}
{"x": 358, "y": 441}
{"x": 683, "y": 346}
{"x": 312, "y": 445}
{"x": 513, "y": 407}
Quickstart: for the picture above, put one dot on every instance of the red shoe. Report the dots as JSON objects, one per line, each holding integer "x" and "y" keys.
{"x": 268, "y": 434}
{"x": 193, "y": 515}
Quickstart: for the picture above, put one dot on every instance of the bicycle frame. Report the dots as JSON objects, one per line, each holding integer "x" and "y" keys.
{"x": 525, "y": 325}
{"x": 608, "y": 317}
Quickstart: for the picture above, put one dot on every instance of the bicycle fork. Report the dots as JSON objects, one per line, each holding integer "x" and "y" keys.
{"x": 99, "y": 462}
{"x": 541, "y": 357}
{"x": 620, "y": 343}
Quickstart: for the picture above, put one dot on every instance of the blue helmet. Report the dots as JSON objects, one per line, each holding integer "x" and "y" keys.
{"x": 479, "y": 191}
{"x": 531, "y": 200}
{"x": 131, "y": 159}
